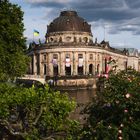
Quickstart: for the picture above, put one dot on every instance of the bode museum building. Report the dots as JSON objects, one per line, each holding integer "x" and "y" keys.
{"x": 70, "y": 55}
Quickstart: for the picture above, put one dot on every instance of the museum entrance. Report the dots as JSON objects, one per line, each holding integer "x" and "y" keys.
{"x": 68, "y": 70}
{"x": 91, "y": 69}
{"x": 55, "y": 70}
{"x": 80, "y": 70}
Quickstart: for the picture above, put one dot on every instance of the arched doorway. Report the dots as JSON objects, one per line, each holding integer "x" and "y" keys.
{"x": 45, "y": 69}
{"x": 80, "y": 70}
{"x": 91, "y": 69}
{"x": 98, "y": 68}
{"x": 68, "y": 70}
{"x": 55, "y": 70}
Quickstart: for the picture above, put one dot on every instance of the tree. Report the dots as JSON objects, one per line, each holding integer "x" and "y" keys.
{"x": 33, "y": 114}
{"x": 13, "y": 61}
{"x": 115, "y": 113}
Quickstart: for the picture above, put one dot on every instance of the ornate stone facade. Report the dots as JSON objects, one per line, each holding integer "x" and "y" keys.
{"x": 69, "y": 50}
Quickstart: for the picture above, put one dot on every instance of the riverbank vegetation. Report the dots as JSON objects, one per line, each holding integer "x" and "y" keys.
{"x": 115, "y": 112}
{"x": 35, "y": 113}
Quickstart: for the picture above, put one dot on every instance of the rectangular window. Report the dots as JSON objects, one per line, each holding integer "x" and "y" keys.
{"x": 91, "y": 56}
{"x": 55, "y": 56}
{"x": 44, "y": 56}
{"x": 98, "y": 57}
{"x": 67, "y": 55}
{"x": 80, "y": 55}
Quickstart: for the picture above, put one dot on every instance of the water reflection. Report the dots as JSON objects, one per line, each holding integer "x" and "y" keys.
{"x": 82, "y": 97}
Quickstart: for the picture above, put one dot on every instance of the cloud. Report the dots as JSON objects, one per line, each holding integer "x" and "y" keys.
{"x": 47, "y": 1}
{"x": 130, "y": 25}
{"x": 133, "y": 3}
{"x": 122, "y": 15}
{"x": 98, "y": 4}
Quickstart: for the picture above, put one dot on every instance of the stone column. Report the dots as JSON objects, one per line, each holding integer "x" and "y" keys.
{"x": 40, "y": 65}
{"x": 84, "y": 61}
{"x": 49, "y": 65}
{"x": 86, "y": 72}
{"x": 94, "y": 58}
{"x": 71, "y": 62}
{"x": 62, "y": 63}
{"x": 34, "y": 64}
{"x": 31, "y": 66}
{"x": 74, "y": 64}
{"x": 101, "y": 62}
{"x": 59, "y": 64}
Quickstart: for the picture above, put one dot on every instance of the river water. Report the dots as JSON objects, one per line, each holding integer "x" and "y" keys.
{"x": 82, "y": 98}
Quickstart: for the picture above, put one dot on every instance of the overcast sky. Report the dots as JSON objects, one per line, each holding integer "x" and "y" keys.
{"x": 119, "y": 19}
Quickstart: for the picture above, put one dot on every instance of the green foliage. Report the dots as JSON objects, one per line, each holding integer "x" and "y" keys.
{"x": 34, "y": 114}
{"x": 13, "y": 62}
{"x": 115, "y": 112}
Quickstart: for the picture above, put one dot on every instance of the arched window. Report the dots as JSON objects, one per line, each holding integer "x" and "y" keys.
{"x": 60, "y": 39}
{"x": 91, "y": 56}
{"x": 75, "y": 40}
{"x": 38, "y": 64}
{"x": 85, "y": 39}
{"x": 68, "y": 38}
{"x": 32, "y": 61}
{"x": 80, "y": 40}
{"x": 51, "y": 39}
